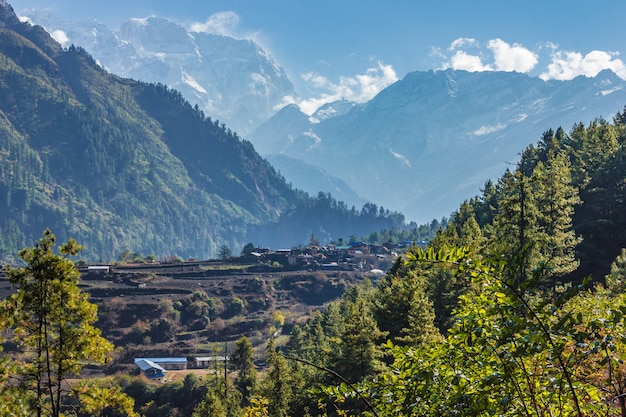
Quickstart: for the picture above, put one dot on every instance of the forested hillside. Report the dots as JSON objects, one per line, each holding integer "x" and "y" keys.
{"x": 124, "y": 165}
{"x": 117, "y": 163}
{"x": 517, "y": 307}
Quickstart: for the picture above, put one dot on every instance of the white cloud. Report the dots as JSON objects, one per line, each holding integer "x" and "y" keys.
{"x": 512, "y": 57}
{"x": 568, "y": 65}
{"x": 405, "y": 161}
{"x": 462, "y": 54}
{"x": 359, "y": 88}
{"x": 60, "y": 36}
{"x": 485, "y": 130}
{"x": 224, "y": 23}
{"x": 470, "y": 55}
{"x": 462, "y": 42}
{"x": 318, "y": 81}
{"x": 461, "y": 60}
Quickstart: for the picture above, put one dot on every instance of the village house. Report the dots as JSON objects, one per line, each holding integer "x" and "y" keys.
{"x": 150, "y": 369}
{"x": 166, "y": 363}
{"x": 203, "y": 362}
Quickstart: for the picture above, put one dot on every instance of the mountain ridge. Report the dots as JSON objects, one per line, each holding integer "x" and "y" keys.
{"x": 233, "y": 80}
{"x": 441, "y": 132}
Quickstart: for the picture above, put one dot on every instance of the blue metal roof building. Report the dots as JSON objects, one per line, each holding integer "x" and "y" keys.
{"x": 166, "y": 363}
{"x": 150, "y": 369}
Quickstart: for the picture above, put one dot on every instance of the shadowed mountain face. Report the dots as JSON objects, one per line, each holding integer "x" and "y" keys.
{"x": 431, "y": 140}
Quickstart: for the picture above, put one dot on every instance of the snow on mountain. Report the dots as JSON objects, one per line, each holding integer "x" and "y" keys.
{"x": 232, "y": 80}
{"x": 421, "y": 146}
{"x": 330, "y": 110}
{"x": 431, "y": 140}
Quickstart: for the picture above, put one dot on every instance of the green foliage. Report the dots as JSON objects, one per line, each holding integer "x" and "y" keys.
{"x": 403, "y": 309}
{"x": 357, "y": 354}
{"x": 236, "y": 307}
{"x": 211, "y": 405}
{"x": 257, "y": 408}
{"x": 508, "y": 353}
{"x": 242, "y": 361}
{"x": 616, "y": 279}
{"x": 191, "y": 396}
{"x": 279, "y": 383}
{"x": 247, "y": 249}
{"x": 104, "y": 397}
{"x": 224, "y": 252}
{"x": 52, "y": 323}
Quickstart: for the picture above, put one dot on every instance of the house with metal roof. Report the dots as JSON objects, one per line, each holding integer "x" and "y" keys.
{"x": 150, "y": 369}
{"x": 208, "y": 361}
{"x": 168, "y": 363}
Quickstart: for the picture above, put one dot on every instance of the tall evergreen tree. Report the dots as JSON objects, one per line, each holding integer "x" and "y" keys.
{"x": 557, "y": 197}
{"x": 277, "y": 383}
{"x": 52, "y": 322}
{"x": 242, "y": 361}
{"x": 358, "y": 353}
{"x": 514, "y": 230}
{"x": 534, "y": 222}
{"x": 402, "y": 308}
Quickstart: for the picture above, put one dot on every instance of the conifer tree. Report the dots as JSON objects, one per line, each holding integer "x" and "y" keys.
{"x": 402, "y": 308}
{"x": 557, "y": 197}
{"x": 243, "y": 362}
{"x": 210, "y": 406}
{"x": 52, "y": 322}
{"x": 277, "y": 383}
{"x": 534, "y": 222}
{"x": 358, "y": 353}
{"x": 515, "y": 225}
{"x": 616, "y": 279}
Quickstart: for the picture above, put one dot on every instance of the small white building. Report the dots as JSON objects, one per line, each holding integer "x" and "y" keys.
{"x": 208, "y": 361}
{"x": 100, "y": 269}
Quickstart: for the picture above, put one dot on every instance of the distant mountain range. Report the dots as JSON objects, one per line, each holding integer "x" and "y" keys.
{"x": 232, "y": 80}
{"x": 431, "y": 140}
{"x": 421, "y": 146}
{"x": 122, "y": 165}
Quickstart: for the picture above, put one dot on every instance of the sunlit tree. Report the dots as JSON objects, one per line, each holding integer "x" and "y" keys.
{"x": 52, "y": 323}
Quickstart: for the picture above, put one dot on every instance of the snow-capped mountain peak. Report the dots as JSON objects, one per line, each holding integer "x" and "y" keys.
{"x": 234, "y": 81}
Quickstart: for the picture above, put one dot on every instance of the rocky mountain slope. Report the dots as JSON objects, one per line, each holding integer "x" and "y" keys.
{"x": 431, "y": 140}
{"x": 234, "y": 81}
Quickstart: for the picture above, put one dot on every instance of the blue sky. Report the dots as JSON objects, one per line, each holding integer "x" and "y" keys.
{"x": 354, "y": 48}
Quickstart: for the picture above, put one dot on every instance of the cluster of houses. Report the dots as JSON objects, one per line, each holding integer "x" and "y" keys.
{"x": 354, "y": 256}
